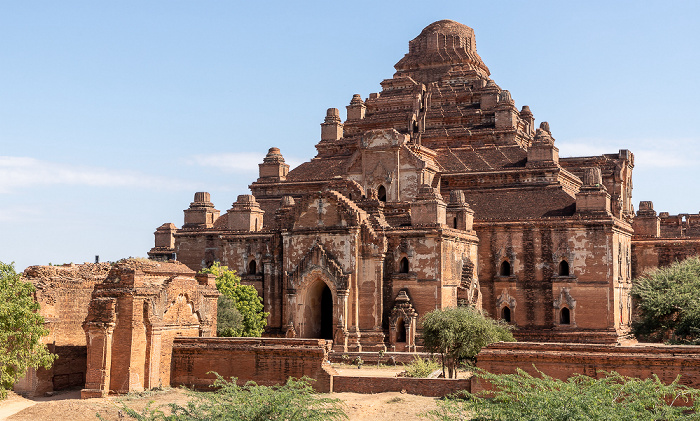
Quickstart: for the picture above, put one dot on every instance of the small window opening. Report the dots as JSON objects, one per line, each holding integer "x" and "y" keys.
{"x": 403, "y": 265}
{"x": 400, "y": 331}
{"x": 454, "y": 222}
{"x": 563, "y": 268}
{"x": 415, "y": 127}
{"x": 381, "y": 193}
{"x": 252, "y": 267}
{"x": 256, "y": 224}
{"x": 505, "y": 314}
{"x": 564, "y": 316}
{"x": 505, "y": 268}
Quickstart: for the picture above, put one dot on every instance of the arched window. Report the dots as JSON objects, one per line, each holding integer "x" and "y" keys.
{"x": 403, "y": 265}
{"x": 563, "y": 268}
{"x": 400, "y": 331}
{"x": 505, "y": 268}
{"x": 564, "y": 316}
{"x": 505, "y": 314}
{"x": 252, "y": 267}
{"x": 381, "y": 193}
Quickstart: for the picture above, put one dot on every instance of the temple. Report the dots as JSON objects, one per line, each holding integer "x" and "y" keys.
{"x": 435, "y": 192}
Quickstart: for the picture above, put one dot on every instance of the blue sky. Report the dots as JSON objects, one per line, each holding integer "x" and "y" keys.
{"x": 112, "y": 114}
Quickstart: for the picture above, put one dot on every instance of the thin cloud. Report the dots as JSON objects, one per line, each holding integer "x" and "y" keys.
{"x": 648, "y": 153}
{"x": 21, "y": 172}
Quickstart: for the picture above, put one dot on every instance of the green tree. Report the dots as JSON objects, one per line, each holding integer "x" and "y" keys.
{"x": 459, "y": 333}
{"x": 293, "y": 401}
{"x": 612, "y": 397}
{"x": 21, "y": 329}
{"x": 668, "y": 303}
{"x": 229, "y": 320}
{"x": 245, "y": 299}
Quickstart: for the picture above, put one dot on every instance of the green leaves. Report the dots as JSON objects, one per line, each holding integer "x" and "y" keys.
{"x": 293, "y": 401}
{"x": 668, "y": 300}
{"x": 459, "y": 333}
{"x": 246, "y": 301}
{"x": 21, "y": 330}
{"x": 612, "y": 397}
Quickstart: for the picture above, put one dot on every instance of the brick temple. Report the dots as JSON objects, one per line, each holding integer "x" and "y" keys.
{"x": 436, "y": 192}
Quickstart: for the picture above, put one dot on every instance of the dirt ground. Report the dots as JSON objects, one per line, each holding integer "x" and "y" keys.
{"x": 68, "y": 405}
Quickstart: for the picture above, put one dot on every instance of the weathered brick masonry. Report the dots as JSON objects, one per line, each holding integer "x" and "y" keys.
{"x": 433, "y": 192}
{"x": 561, "y": 361}
{"x": 266, "y": 361}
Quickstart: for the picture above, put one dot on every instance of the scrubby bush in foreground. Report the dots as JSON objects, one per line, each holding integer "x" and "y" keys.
{"x": 613, "y": 397}
{"x": 293, "y": 401}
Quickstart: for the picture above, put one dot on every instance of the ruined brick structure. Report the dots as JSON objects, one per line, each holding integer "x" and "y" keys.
{"x": 134, "y": 316}
{"x": 433, "y": 192}
{"x": 662, "y": 239}
{"x": 63, "y": 293}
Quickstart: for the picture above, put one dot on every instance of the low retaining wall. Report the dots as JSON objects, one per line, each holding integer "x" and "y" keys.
{"x": 373, "y": 358}
{"x": 561, "y": 360}
{"x": 266, "y": 361}
{"x": 424, "y": 387}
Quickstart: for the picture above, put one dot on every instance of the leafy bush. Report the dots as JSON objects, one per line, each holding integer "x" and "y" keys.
{"x": 246, "y": 300}
{"x": 21, "y": 330}
{"x": 420, "y": 367}
{"x": 294, "y": 401}
{"x": 668, "y": 303}
{"x": 459, "y": 333}
{"x": 229, "y": 320}
{"x": 613, "y": 397}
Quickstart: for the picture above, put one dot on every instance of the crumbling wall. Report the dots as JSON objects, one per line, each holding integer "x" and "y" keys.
{"x": 266, "y": 361}
{"x": 63, "y": 293}
{"x": 133, "y": 317}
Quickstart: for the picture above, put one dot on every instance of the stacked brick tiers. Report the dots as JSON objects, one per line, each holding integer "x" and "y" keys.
{"x": 433, "y": 192}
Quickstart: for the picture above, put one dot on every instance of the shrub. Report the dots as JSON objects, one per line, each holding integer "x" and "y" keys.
{"x": 244, "y": 297}
{"x": 613, "y": 397}
{"x": 293, "y": 401}
{"x": 420, "y": 367}
{"x": 668, "y": 302}
{"x": 21, "y": 329}
{"x": 459, "y": 333}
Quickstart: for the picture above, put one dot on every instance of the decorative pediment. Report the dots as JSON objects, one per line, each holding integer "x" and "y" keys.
{"x": 403, "y": 309}
{"x": 505, "y": 299}
{"x": 565, "y": 299}
{"x": 318, "y": 258}
{"x": 382, "y": 138}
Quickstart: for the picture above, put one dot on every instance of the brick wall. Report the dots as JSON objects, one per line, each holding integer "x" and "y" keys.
{"x": 561, "y": 361}
{"x": 266, "y": 361}
{"x": 424, "y": 387}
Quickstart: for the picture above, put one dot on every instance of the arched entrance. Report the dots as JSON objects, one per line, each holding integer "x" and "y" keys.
{"x": 318, "y": 312}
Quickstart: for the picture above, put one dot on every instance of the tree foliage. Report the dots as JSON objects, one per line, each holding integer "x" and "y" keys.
{"x": 21, "y": 329}
{"x": 246, "y": 301}
{"x": 293, "y": 401}
{"x": 668, "y": 303}
{"x": 459, "y": 333}
{"x": 229, "y": 320}
{"x": 612, "y": 397}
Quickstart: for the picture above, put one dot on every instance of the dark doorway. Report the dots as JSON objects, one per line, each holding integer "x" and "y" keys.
{"x": 563, "y": 268}
{"x": 252, "y": 267}
{"x": 505, "y": 314}
{"x": 564, "y": 316}
{"x": 505, "y": 269}
{"x": 400, "y": 331}
{"x": 326, "y": 314}
{"x": 381, "y": 193}
{"x": 403, "y": 265}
